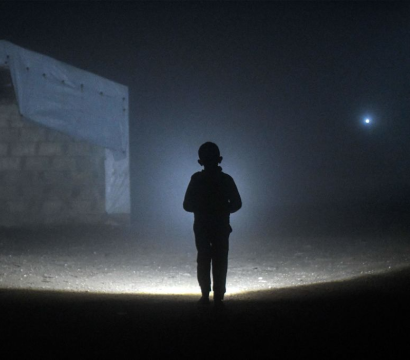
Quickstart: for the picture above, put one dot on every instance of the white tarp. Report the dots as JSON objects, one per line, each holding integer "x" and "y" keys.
{"x": 78, "y": 103}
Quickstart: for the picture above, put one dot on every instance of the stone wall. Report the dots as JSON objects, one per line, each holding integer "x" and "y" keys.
{"x": 47, "y": 177}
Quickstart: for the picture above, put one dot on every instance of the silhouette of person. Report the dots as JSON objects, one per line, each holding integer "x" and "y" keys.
{"x": 212, "y": 196}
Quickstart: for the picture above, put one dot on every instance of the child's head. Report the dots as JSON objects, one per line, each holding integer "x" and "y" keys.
{"x": 209, "y": 155}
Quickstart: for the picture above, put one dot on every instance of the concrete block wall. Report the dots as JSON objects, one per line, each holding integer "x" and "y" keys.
{"x": 47, "y": 177}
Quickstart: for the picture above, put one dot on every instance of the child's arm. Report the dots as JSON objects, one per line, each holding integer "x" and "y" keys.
{"x": 235, "y": 201}
{"x": 189, "y": 197}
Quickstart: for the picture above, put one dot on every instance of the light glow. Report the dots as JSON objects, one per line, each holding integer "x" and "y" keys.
{"x": 152, "y": 271}
{"x": 367, "y": 121}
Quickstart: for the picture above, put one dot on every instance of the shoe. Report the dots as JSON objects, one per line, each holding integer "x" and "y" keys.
{"x": 204, "y": 300}
{"x": 219, "y": 305}
{"x": 218, "y": 300}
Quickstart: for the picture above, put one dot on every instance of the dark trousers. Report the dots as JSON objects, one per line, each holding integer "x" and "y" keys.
{"x": 212, "y": 243}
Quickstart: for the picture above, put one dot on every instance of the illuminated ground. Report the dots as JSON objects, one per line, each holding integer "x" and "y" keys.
{"x": 113, "y": 262}
{"x": 85, "y": 293}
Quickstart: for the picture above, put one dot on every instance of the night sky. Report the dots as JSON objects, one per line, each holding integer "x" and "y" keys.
{"x": 282, "y": 88}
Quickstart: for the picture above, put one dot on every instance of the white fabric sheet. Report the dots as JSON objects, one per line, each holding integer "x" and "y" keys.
{"x": 78, "y": 103}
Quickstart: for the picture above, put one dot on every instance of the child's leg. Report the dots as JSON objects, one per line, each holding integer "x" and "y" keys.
{"x": 220, "y": 249}
{"x": 203, "y": 262}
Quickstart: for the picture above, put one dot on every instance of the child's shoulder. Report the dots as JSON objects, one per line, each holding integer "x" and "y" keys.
{"x": 197, "y": 175}
{"x": 227, "y": 177}
{"x": 202, "y": 174}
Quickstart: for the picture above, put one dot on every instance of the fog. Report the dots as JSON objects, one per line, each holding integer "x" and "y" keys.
{"x": 283, "y": 89}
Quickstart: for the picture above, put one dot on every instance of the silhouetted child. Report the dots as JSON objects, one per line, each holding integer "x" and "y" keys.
{"x": 212, "y": 196}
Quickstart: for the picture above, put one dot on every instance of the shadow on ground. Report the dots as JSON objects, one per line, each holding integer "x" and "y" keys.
{"x": 361, "y": 317}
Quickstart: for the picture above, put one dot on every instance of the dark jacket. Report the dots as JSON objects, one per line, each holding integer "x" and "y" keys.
{"x": 212, "y": 196}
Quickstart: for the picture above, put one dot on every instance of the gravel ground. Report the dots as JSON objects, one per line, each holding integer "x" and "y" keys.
{"x": 110, "y": 261}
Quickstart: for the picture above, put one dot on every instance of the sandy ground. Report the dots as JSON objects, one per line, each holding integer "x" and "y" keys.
{"x": 350, "y": 302}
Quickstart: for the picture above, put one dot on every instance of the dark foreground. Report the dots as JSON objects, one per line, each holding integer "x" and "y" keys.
{"x": 363, "y": 317}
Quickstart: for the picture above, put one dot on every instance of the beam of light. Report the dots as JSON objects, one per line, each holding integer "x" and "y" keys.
{"x": 91, "y": 287}
{"x": 163, "y": 273}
